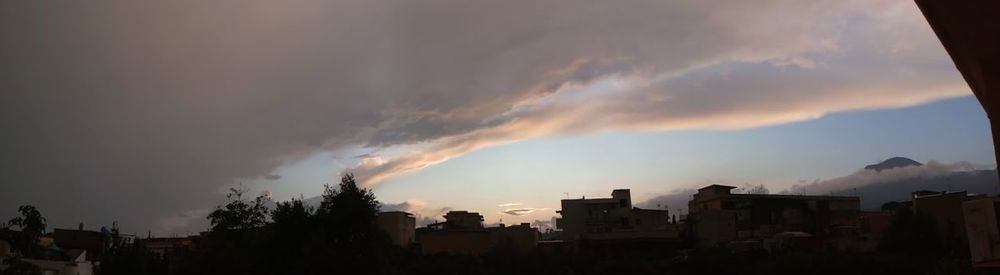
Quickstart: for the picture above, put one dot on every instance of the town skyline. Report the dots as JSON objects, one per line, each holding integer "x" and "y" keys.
{"x": 149, "y": 123}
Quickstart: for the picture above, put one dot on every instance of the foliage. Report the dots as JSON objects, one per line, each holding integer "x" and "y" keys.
{"x": 239, "y": 214}
{"x": 293, "y": 213}
{"x": 347, "y": 218}
{"x": 348, "y": 213}
{"x": 122, "y": 257}
{"x": 293, "y": 224}
{"x": 31, "y": 226}
{"x": 298, "y": 240}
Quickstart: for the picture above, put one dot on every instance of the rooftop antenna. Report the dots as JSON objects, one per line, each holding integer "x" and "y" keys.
{"x": 567, "y": 194}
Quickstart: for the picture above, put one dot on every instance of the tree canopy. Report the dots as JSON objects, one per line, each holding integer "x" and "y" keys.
{"x": 30, "y": 225}
{"x": 239, "y": 213}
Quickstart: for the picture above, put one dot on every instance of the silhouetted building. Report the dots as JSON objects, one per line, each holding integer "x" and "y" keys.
{"x": 453, "y": 241}
{"x": 163, "y": 247}
{"x": 462, "y": 232}
{"x": 56, "y": 260}
{"x": 874, "y": 223}
{"x": 713, "y": 226}
{"x": 613, "y": 226}
{"x": 945, "y": 210}
{"x": 718, "y": 215}
{"x": 517, "y": 238}
{"x": 400, "y": 226}
{"x": 982, "y": 224}
{"x": 612, "y": 218}
{"x": 463, "y": 219}
{"x": 5, "y": 249}
{"x": 92, "y": 241}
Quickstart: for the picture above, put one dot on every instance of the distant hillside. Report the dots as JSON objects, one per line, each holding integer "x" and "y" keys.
{"x": 975, "y": 182}
{"x": 896, "y": 178}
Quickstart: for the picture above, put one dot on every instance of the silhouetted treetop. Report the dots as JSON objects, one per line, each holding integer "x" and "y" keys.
{"x": 239, "y": 213}
{"x": 31, "y": 225}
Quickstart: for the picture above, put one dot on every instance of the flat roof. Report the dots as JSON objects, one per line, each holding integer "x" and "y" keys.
{"x": 713, "y": 186}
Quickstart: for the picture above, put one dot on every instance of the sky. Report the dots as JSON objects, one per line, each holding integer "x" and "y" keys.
{"x": 146, "y": 113}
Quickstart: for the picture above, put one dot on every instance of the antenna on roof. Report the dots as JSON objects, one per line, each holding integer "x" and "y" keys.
{"x": 567, "y": 194}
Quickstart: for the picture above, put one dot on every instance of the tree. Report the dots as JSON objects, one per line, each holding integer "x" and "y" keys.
{"x": 347, "y": 217}
{"x": 124, "y": 257}
{"x": 350, "y": 210}
{"x": 239, "y": 214}
{"x": 234, "y": 245}
{"x": 292, "y": 212}
{"x": 31, "y": 225}
{"x": 291, "y": 230}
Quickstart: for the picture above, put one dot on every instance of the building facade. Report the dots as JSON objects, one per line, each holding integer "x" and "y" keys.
{"x": 613, "y": 218}
{"x": 463, "y": 232}
{"x": 945, "y": 209}
{"x": 521, "y": 238}
{"x": 400, "y": 226}
{"x": 982, "y": 226}
{"x": 463, "y": 219}
{"x": 718, "y": 215}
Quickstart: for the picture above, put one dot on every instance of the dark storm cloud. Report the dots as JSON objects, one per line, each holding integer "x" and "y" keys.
{"x": 140, "y": 111}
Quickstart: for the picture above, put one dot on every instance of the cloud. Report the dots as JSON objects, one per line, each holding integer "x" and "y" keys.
{"x": 406, "y": 206}
{"x": 872, "y": 186}
{"x": 420, "y": 211}
{"x": 849, "y": 68}
{"x": 266, "y": 194}
{"x": 676, "y": 199}
{"x": 865, "y": 177}
{"x": 190, "y": 95}
{"x": 896, "y": 184}
{"x": 518, "y": 211}
{"x": 543, "y": 225}
{"x": 877, "y": 187}
{"x": 272, "y": 177}
{"x": 190, "y": 222}
{"x": 509, "y": 204}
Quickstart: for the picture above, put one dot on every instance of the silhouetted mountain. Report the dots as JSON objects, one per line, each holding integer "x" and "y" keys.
{"x": 974, "y": 182}
{"x": 895, "y": 162}
{"x": 895, "y": 179}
